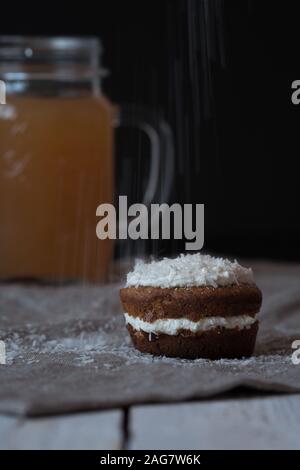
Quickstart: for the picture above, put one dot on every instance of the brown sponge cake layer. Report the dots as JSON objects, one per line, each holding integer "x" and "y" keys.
{"x": 213, "y": 344}
{"x": 193, "y": 303}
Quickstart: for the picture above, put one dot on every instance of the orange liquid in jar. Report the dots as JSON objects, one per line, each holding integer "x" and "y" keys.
{"x": 56, "y": 167}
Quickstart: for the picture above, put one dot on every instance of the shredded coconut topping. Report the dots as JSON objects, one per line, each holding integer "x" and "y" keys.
{"x": 188, "y": 271}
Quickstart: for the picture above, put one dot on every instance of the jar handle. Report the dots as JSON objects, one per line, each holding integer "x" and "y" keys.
{"x": 162, "y": 149}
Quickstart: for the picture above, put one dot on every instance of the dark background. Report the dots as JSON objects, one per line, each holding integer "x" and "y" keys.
{"x": 220, "y": 73}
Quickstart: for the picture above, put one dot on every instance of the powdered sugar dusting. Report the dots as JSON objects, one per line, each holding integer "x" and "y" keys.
{"x": 67, "y": 348}
{"x": 96, "y": 350}
{"x": 188, "y": 271}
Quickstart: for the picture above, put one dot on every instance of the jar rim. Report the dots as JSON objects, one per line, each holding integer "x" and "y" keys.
{"x": 10, "y": 45}
{"x": 45, "y": 57}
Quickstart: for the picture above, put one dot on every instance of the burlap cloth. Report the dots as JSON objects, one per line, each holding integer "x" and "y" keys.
{"x": 67, "y": 349}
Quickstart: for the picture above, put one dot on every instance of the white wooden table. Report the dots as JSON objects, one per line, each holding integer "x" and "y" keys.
{"x": 247, "y": 422}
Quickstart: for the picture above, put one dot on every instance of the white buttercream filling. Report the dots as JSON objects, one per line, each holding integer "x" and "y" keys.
{"x": 174, "y": 325}
{"x": 187, "y": 271}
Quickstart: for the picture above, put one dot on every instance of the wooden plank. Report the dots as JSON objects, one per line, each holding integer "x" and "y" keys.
{"x": 100, "y": 430}
{"x": 257, "y": 423}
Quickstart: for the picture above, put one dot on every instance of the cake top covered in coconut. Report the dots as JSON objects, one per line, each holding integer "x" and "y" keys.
{"x": 189, "y": 270}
